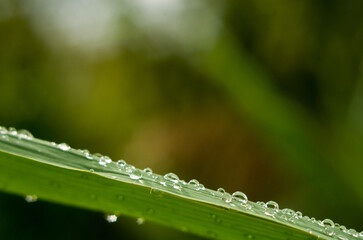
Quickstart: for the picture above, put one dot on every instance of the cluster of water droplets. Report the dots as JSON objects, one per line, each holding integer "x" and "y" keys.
{"x": 171, "y": 182}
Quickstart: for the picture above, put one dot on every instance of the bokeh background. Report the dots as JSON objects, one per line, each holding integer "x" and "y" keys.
{"x": 261, "y": 96}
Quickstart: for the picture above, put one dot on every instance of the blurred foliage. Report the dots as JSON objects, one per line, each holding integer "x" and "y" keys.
{"x": 260, "y": 96}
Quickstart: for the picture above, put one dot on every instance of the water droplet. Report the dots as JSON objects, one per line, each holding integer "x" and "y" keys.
{"x": 172, "y": 177}
{"x": 64, "y": 146}
{"x": 148, "y": 171}
{"x": 177, "y": 186}
{"x": 104, "y": 160}
{"x": 140, "y": 221}
{"x": 221, "y": 190}
{"x": 271, "y": 208}
{"x": 343, "y": 228}
{"x": 135, "y": 174}
{"x": 272, "y": 205}
{"x": 327, "y": 222}
{"x": 31, "y": 198}
{"x": 298, "y": 214}
{"x": 111, "y": 218}
{"x": 25, "y": 134}
{"x": 159, "y": 179}
{"x": 329, "y": 230}
{"x": 353, "y": 232}
{"x": 92, "y": 170}
{"x": 227, "y": 197}
{"x": 194, "y": 184}
{"x": 87, "y": 154}
{"x": 12, "y": 131}
{"x": 240, "y": 197}
{"x": 3, "y": 130}
{"x": 121, "y": 164}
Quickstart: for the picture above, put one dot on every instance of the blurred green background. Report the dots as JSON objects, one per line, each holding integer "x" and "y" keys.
{"x": 261, "y": 96}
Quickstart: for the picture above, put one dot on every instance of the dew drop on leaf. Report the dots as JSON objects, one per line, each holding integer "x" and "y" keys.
{"x": 3, "y": 130}
{"x": 31, "y": 198}
{"x": 64, "y": 146}
{"x": 135, "y": 174}
{"x": 12, "y": 131}
{"x": 240, "y": 197}
{"x": 104, "y": 160}
{"x": 25, "y": 134}
{"x": 148, "y": 171}
{"x": 328, "y": 223}
{"x": 172, "y": 177}
{"x": 140, "y": 221}
{"x": 227, "y": 197}
{"x": 121, "y": 164}
{"x": 272, "y": 205}
{"x": 111, "y": 218}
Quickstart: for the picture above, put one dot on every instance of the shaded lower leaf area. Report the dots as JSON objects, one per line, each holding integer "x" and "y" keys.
{"x": 60, "y": 174}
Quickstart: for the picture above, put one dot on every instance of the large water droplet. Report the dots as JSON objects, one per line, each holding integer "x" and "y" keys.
{"x": 327, "y": 223}
{"x": 121, "y": 164}
{"x": 140, "y": 221}
{"x": 12, "y": 131}
{"x": 194, "y": 184}
{"x": 148, "y": 171}
{"x": 271, "y": 208}
{"x": 64, "y": 146}
{"x": 87, "y": 154}
{"x": 135, "y": 174}
{"x": 227, "y": 197}
{"x": 104, "y": 160}
{"x": 172, "y": 177}
{"x": 3, "y": 130}
{"x": 240, "y": 197}
{"x": 272, "y": 205}
{"x": 111, "y": 218}
{"x": 25, "y": 134}
{"x": 353, "y": 232}
{"x": 298, "y": 214}
{"x": 159, "y": 179}
{"x": 31, "y": 198}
